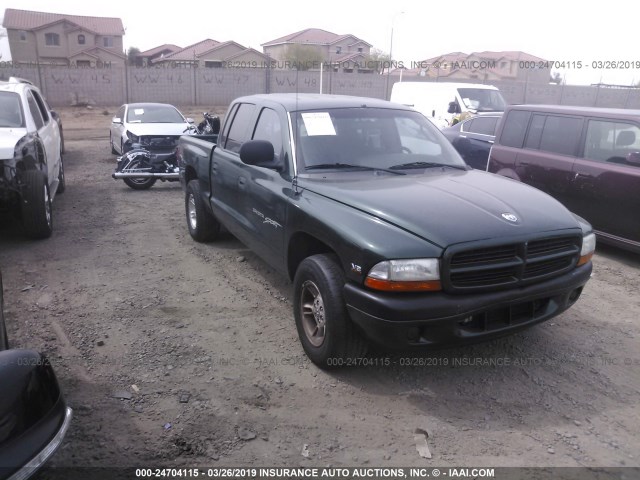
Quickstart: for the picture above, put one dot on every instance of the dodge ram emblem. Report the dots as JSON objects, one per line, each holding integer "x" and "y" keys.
{"x": 510, "y": 217}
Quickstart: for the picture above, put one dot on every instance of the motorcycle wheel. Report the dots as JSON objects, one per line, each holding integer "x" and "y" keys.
{"x": 138, "y": 183}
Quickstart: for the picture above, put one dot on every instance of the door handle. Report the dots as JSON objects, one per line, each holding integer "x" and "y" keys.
{"x": 242, "y": 182}
{"x": 463, "y": 136}
{"x": 214, "y": 167}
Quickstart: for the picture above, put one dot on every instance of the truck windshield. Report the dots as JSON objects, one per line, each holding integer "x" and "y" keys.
{"x": 482, "y": 100}
{"x": 370, "y": 138}
{"x": 10, "y": 111}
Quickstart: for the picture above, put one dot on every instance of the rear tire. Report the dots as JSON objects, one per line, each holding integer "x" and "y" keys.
{"x": 36, "y": 205}
{"x": 61, "y": 181}
{"x": 138, "y": 183}
{"x": 203, "y": 226}
{"x": 328, "y": 336}
{"x": 113, "y": 149}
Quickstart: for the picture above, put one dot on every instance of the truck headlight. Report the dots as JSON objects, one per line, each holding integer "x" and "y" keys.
{"x": 588, "y": 247}
{"x": 413, "y": 275}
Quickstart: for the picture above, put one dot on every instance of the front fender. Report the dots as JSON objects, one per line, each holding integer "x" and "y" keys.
{"x": 33, "y": 414}
{"x": 359, "y": 239}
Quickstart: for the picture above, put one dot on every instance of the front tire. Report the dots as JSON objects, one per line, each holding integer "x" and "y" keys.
{"x": 4, "y": 339}
{"x": 138, "y": 183}
{"x": 326, "y": 332}
{"x": 36, "y": 205}
{"x": 113, "y": 149}
{"x": 203, "y": 226}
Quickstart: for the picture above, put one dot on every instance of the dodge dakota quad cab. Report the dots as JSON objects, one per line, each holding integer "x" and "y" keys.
{"x": 387, "y": 235}
{"x": 31, "y": 166}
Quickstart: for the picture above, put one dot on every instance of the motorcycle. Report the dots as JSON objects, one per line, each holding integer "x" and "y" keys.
{"x": 141, "y": 167}
{"x": 209, "y": 126}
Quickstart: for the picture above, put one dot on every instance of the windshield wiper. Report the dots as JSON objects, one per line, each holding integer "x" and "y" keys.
{"x": 426, "y": 165}
{"x": 349, "y": 165}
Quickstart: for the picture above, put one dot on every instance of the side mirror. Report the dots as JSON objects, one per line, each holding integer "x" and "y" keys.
{"x": 633, "y": 158}
{"x": 259, "y": 153}
{"x": 190, "y": 120}
{"x": 116, "y": 120}
{"x": 453, "y": 108}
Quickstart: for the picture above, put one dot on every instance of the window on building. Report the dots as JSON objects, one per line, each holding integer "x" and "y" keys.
{"x": 83, "y": 63}
{"x": 81, "y": 39}
{"x": 23, "y": 36}
{"x": 212, "y": 64}
{"x": 107, "y": 42}
{"x": 503, "y": 64}
{"x": 338, "y": 50}
{"x": 52, "y": 39}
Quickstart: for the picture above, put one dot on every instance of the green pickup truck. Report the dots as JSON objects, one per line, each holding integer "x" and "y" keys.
{"x": 388, "y": 236}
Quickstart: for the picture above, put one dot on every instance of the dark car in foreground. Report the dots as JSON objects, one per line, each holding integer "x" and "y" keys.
{"x": 474, "y": 137}
{"x": 34, "y": 416}
{"x": 587, "y": 158}
{"x": 386, "y": 233}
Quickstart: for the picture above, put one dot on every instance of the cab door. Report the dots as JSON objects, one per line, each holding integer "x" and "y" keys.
{"x": 266, "y": 201}
{"x": 229, "y": 177}
{"x": 48, "y": 133}
{"x": 549, "y": 152}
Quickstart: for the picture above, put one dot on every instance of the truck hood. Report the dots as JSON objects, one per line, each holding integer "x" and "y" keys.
{"x": 9, "y": 137}
{"x": 157, "y": 129}
{"x": 447, "y": 207}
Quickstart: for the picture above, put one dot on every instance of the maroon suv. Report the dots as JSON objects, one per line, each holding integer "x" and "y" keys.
{"x": 588, "y": 158}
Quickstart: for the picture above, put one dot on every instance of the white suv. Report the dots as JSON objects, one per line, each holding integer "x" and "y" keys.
{"x": 31, "y": 167}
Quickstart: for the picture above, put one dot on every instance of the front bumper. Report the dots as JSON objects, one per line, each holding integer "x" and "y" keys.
{"x": 405, "y": 320}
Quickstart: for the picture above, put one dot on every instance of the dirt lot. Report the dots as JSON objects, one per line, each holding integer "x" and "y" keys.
{"x": 174, "y": 353}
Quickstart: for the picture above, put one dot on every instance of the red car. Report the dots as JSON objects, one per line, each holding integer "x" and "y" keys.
{"x": 588, "y": 158}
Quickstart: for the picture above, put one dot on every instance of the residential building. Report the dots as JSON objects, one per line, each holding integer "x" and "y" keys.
{"x": 482, "y": 66}
{"x": 148, "y": 56}
{"x": 210, "y": 53}
{"x": 60, "y": 39}
{"x": 344, "y": 52}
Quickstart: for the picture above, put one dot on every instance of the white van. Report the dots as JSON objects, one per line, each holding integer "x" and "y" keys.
{"x": 440, "y": 102}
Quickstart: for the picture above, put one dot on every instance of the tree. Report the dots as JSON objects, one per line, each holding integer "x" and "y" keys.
{"x": 303, "y": 57}
{"x": 132, "y": 56}
{"x": 556, "y": 78}
{"x": 377, "y": 60}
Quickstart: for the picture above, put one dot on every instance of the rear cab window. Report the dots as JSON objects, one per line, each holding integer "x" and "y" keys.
{"x": 239, "y": 128}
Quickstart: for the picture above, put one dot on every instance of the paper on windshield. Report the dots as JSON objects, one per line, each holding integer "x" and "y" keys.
{"x": 318, "y": 123}
{"x": 138, "y": 111}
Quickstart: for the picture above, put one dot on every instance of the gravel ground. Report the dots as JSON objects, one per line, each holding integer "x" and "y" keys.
{"x": 174, "y": 353}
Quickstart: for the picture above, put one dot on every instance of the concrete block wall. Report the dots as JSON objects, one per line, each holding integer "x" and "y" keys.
{"x": 217, "y": 87}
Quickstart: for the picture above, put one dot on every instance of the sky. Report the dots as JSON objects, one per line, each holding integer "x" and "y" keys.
{"x": 597, "y": 35}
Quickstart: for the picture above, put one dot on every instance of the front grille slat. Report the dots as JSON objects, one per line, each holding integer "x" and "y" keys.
{"x": 511, "y": 264}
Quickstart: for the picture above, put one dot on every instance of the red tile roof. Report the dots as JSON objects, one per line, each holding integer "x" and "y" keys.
{"x": 28, "y": 20}
{"x": 191, "y": 52}
{"x": 152, "y": 51}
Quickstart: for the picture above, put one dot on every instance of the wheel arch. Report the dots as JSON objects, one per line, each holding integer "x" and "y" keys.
{"x": 301, "y": 246}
